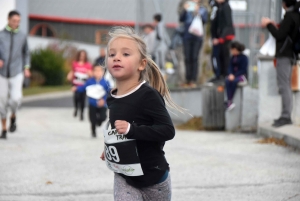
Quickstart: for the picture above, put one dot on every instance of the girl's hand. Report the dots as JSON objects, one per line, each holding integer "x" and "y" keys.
{"x": 215, "y": 41}
{"x": 265, "y": 21}
{"x": 73, "y": 88}
{"x": 101, "y": 102}
{"x": 102, "y": 157}
{"x": 121, "y": 126}
{"x": 231, "y": 77}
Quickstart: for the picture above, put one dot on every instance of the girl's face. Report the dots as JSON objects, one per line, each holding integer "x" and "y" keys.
{"x": 234, "y": 51}
{"x": 82, "y": 56}
{"x": 124, "y": 60}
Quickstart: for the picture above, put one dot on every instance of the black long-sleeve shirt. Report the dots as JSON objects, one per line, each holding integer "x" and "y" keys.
{"x": 286, "y": 34}
{"x": 221, "y": 22}
{"x": 151, "y": 126}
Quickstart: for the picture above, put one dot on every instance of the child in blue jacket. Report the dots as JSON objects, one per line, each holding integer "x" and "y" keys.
{"x": 237, "y": 71}
{"x": 96, "y": 89}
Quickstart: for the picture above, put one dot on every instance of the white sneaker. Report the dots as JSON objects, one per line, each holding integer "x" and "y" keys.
{"x": 244, "y": 82}
{"x": 230, "y": 107}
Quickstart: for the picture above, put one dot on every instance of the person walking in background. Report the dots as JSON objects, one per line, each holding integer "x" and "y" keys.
{"x": 96, "y": 88}
{"x": 222, "y": 32}
{"x": 192, "y": 43}
{"x": 149, "y": 38}
{"x": 140, "y": 123}
{"x": 162, "y": 42}
{"x": 81, "y": 70}
{"x": 286, "y": 35}
{"x": 14, "y": 64}
{"x": 237, "y": 71}
{"x": 101, "y": 59}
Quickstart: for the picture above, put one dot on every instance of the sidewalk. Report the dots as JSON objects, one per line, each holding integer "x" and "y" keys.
{"x": 289, "y": 133}
{"x": 53, "y": 157}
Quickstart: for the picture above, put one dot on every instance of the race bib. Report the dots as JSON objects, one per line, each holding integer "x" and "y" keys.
{"x": 121, "y": 154}
{"x": 80, "y": 78}
{"x": 95, "y": 91}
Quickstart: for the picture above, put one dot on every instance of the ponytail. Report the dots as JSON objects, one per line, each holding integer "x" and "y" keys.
{"x": 153, "y": 75}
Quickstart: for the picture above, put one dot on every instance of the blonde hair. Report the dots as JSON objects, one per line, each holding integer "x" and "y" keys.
{"x": 152, "y": 72}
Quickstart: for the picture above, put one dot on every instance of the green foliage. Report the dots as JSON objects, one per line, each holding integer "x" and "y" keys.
{"x": 50, "y": 64}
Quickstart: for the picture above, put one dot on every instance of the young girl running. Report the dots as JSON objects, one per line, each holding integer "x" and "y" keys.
{"x": 81, "y": 70}
{"x": 140, "y": 123}
{"x": 238, "y": 68}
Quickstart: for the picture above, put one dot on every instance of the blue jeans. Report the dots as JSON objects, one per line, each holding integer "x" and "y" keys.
{"x": 191, "y": 54}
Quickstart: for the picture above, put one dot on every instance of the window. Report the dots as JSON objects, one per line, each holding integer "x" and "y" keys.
{"x": 43, "y": 30}
{"x": 101, "y": 37}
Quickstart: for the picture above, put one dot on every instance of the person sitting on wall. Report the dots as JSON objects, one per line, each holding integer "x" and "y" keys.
{"x": 237, "y": 71}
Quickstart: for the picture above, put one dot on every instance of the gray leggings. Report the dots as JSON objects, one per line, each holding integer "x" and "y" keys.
{"x": 157, "y": 192}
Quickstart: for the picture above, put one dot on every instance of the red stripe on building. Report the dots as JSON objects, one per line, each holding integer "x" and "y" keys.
{"x": 88, "y": 21}
{"x": 111, "y": 22}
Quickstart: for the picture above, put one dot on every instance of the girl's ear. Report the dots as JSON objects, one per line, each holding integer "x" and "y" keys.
{"x": 143, "y": 65}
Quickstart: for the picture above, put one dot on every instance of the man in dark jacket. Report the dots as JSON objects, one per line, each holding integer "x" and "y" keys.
{"x": 222, "y": 32}
{"x": 285, "y": 36}
{"x": 14, "y": 64}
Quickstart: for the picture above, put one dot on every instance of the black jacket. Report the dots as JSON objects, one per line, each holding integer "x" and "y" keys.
{"x": 286, "y": 34}
{"x": 221, "y": 22}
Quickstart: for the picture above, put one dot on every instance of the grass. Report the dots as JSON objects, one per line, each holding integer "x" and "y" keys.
{"x": 193, "y": 124}
{"x": 45, "y": 89}
{"x": 273, "y": 140}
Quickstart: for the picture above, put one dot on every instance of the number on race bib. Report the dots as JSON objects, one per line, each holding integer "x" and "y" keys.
{"x": 112, "y": 153}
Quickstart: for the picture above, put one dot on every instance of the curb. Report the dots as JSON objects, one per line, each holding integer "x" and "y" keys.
{"x": 50, "y": 95}
{"x": 289, "y": 133}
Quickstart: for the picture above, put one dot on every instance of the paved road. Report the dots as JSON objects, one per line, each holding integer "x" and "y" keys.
{"x": 53, "y": 157}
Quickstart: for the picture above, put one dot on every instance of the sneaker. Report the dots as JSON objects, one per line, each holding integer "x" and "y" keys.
{"x": 213, "y": 79}
{"x": 13, "y": 125}
{"x": 281, "y": 122}
{"x": 185, "y": 85}
{"x": 230, "y": 106}
{"x": 192, "y": 85}
{"x": 275, "y": 120}
{"x": 3, "y": 135}
{"x": 243, "y": 81}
